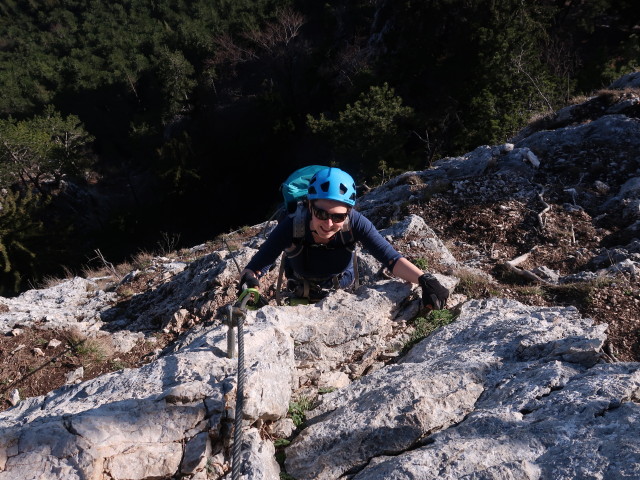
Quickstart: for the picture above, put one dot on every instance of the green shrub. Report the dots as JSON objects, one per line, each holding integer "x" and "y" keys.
{"x": 298, "y": 409}
{"x": 324, "y": 390}
{"x": 421, "y": 263}
{"x": 426, "y": 325}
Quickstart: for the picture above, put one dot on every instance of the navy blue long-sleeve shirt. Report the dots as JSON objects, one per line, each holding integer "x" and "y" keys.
{"x": 316, "y": 261}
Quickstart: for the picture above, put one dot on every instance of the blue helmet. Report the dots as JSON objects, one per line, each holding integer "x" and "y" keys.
{"x": 333, "y": 184}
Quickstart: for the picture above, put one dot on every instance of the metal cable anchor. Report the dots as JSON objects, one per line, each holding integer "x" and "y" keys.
{"x": 239, "y": 312}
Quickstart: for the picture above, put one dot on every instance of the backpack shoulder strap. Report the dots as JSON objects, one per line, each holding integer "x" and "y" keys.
{"x": 299, "y": 223}
{"x": 346, "y": 233}
{"x": 349, "y": 241}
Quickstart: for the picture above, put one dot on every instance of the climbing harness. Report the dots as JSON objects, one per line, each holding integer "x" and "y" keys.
{"x": 299, "y": 217}
{"x": 248, "y": 299}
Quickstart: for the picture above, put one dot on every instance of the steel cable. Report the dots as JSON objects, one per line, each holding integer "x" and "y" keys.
{"x": 237, "y": 423}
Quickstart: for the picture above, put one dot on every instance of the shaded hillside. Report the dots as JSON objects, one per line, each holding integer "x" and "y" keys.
{"x": 209, "y": 102}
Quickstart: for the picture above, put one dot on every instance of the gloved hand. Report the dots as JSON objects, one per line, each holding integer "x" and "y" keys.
{"x": 434, "y": 295}
{"x": 248, "y": 280}
{"x": 251, "y": 300}
{"x": 260, "y": 303}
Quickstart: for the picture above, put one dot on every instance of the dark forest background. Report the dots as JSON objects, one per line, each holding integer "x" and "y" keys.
{"x": 127, "y": 125}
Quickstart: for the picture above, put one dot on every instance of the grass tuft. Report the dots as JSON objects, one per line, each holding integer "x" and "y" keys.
{"x": 424, "y": 326}
{"x": 298, "y": 409}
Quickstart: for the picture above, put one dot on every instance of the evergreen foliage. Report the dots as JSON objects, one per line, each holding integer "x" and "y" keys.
{"x": 483, "y": 59}
{"x": 369, "y": 132}
{"x": 20, "y": 236}
{"x": 44, "y": 147}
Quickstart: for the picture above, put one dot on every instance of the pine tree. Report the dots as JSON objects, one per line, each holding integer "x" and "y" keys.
{"x": 20, "y": 232}
{"x": 368, "y": 132}
{"x": 44, "y": 147}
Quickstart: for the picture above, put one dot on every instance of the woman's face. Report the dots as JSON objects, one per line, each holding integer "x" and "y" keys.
{"x": 334, "y": 215}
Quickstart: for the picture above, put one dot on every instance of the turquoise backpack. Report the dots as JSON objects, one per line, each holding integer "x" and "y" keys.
{"x": 294, "y": 188}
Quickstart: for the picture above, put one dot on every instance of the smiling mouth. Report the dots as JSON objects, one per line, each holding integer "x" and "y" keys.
{"x": 325, "y": 231}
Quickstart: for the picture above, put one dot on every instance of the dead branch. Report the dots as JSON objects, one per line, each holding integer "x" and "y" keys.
{"x": 281, "y": 32}
{"x": 519, "y": 63}
{"x": 546, "y": 208}
{"x": 511, "y": 265}
{"x": 108, "y": 265}
{"x": 520, "y": 259}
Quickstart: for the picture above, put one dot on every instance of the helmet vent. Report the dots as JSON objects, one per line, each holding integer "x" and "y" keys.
{"x": 332, "y": 184}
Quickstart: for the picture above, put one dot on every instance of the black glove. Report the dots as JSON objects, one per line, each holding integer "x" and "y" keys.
{"x": 434, "y": 295}
{"x": 248, "y": 280}
{"x": 260, "y": 303}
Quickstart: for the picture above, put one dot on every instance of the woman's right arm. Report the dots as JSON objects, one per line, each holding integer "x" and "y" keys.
{"x": 279, "y": 239}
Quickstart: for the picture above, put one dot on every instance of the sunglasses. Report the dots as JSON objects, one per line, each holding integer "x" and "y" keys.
{"x": 324, "y": 215}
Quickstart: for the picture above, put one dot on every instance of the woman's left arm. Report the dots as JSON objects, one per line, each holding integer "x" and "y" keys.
{"x": 406, "y": 270}
{"x": 382, "y": 250}
{"x": 434, "y": 295}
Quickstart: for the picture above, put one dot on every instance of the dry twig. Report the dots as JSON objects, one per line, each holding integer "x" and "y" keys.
{"x": 546, "y": 208}
{"x": 511, "y": 265}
